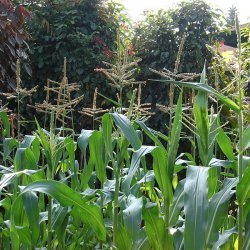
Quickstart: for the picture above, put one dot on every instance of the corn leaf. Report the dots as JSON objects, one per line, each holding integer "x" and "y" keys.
{"x": 243, "y": 187}
{"x": 196, "y": 207}
{"x": 6, "y": 124}
{"x": 174, "y": 138}
{"x": 217, "y": 213}
{"x": 208, "y": 89}
{"x": 135, "y": 163}
{"x": 124, "y": 124}
{"x": 155, "y": 227}
{"x": 178, "y": 203}
{"x": 90, "y": 214}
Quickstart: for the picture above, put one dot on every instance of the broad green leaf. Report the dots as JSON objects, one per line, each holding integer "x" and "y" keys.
{"x": 174, "y": 138}
{"x": 218, "y": 207}
{"x": 246, "y": 139}
{"x": 149, "y": 132}
{"x": 90, "y": 214}
{"x": 59, "y": 221}
{"x": 107, "y": 125}
{"x": 124, "y": 241}
{"x": 161, "y": 174}
{"x": 243, "y": 187}
{"x": 9, "y": 144}
{"x": 196, "y": 207}
{"x": 178, "y": 203}
{"x": 224, "y": 238}
{"x": 225, "y": 143}
{"x": 201, "y": 120}
{"x": 83, "y": 139}
{"x": 6, "y": 124}
{"x": 30, "y": 202}
{"x": 155, "y": 227}
{"x": 213, "y": 182}
{"x": 132, "y": 216}
{"x": 97, "y": 155}
{"x": 27, "y": 141}
{"x": 70, "y": 148}
{"x": 25, "y": 159}
{"x": 124, "y": 124}
{"x": 135, "y": 164}
{"x": 179, "y": 239}
{"x": 24, "y": 235}
{"x": 246, "y": 245}
{"x": 8, "y": 179}
{"x": 213, "y": 126}
{"x": 205, "y": 88}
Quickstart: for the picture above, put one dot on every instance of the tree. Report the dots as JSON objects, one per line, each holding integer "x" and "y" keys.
{"x": 231, "y": 16}
{"x": 158, "y": 36}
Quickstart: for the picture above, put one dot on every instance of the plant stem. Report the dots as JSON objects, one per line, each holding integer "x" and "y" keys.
{"x": 240, "y": 120}
{"x": 50, "y": 224}
{"x": 116, "y": 196}
{"x": 166, "y": 217}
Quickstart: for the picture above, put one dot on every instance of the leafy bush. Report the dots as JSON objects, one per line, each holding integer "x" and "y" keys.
{"x": 157, "y": 39}
{"x": 82, "y": 31}
{"x": 12, "y": 42}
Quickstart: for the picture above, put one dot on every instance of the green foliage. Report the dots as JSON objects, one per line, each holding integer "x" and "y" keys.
{"x": 231, "y": 16}
{"x": 82, "y": 31}
{"x": 12, "y": 42}
{"x": 108, "y": 189}
{"x": 156, "y": 39}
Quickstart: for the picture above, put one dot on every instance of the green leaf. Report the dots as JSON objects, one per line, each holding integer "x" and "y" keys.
{"x": 205, "y": 88}
{"x": 201, "y": 120}
{"x": 70, "y": 148}
{"x": 243, "y": 187}
{"x": 124, "y": 124}
{"x": 178, "y": 203}
{"x": 30, "y": 202}
{"x": 110, "y": 100}
{"x": 246, "y": 139}
{"x": 224, "y": 238}
{"x": 90, "y": 214}
{"x": 8, "y": 179}
{"x": 83, "y": 139}
{"x": 218, "y": 207}
{"x": 155, "y": 227}
{"x": 6, "y": 124}
{"x": 107, "y": 125}
{"x": 135, "y": 163}
{"x": 150, "y": 133}
{"x": 196, "y": 207}
{"x": 27, "y": 141}
{"x": 97, "y": 155}
{"x": 174, "y": 138}
{"x": 246, "y": 245}
{"x": 225, "y": 143}
{"x": 124, "y": 242}
{"x": 9, "y": 144}
{"x": 24, "y": 159}
{"x": 161, "y": 174}
{"x": 132, "y": 216}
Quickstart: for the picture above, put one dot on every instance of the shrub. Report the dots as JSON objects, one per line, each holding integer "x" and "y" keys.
{"x": 157, "y": 38}
{"x": 82, "y": 31}
{"x": 12, "y": 42}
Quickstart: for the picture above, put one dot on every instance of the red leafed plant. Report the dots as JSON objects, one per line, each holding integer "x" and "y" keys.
{"x": 12, "y": 42}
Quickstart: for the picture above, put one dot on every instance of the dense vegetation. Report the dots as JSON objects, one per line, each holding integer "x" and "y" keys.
{"x": 122, "y": 184}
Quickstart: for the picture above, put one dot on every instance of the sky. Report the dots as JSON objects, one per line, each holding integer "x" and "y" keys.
{"x": 136, "y": 7}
